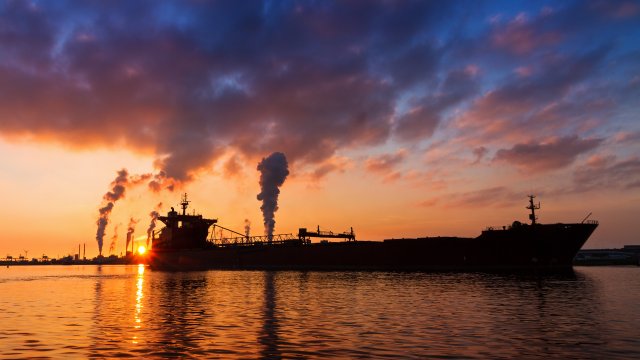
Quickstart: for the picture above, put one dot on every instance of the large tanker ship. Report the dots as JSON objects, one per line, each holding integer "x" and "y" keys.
{"x": 184, "y": 244}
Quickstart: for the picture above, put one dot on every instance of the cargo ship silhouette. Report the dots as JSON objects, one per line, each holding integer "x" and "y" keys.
{"x": 184, "y": 244}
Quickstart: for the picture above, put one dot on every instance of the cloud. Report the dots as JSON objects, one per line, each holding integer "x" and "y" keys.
{"x": 524, "y": 71}
{"x": 194, "y": 83}
{"x": 607, "y": 172}
{"x": 617, "y": 9}
{"x": 497, "y": 196}
{"x": 554, "y": 154}
{"x": 521, "y": 36}
{"x": 191, "y": 82}
{"x": 386, "y": 165}
{"x": 385, "y": 162}
{"x": 523, "y": 108}
{"x": 529, "y": 32}
{"x": 422, "y": 119}
{"x": 626, "y": 137}
{"x": 335, "y": 163}
{"x": 479, "y": 153}
{"x": 232, "y": 167}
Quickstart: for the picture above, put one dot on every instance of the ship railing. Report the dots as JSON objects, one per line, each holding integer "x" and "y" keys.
{"x": 254, "y": 240}
{"x": 496, "y": 228}
{"x": 592, "y": 222}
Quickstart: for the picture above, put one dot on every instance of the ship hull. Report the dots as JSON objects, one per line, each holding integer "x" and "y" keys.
{"x": 538, "y": 247}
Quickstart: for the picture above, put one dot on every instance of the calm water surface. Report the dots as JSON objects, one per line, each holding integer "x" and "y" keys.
{"x": 131, "y": 311}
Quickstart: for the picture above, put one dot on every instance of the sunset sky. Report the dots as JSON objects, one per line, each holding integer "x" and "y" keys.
{"x": 398, "y": 118}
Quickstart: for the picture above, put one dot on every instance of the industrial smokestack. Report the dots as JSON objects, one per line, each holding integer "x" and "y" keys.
{"x": 118, "y": 187}
{"x": 247, "y": 227}
{"x": 273, "y": 171}
{"x": 154, "y": 216}
{"x": 130, "y": 229}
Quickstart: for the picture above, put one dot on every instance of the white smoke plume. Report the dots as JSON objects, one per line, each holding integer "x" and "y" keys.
{"x": 130, "y": 229}
{"x": 118, "y": 188}
{"x": 273, "y": 171}
{"x": 154, "y": 217}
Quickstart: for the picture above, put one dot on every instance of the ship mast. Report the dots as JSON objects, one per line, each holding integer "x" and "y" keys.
{"x": 533, "y": 207}
{"x": 184, "y": 204}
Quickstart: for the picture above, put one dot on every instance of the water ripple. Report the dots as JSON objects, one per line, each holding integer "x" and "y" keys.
{"x": 129, "y": 311}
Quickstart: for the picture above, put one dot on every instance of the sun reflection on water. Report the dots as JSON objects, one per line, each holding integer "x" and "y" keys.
{"x": 139, "y": 297}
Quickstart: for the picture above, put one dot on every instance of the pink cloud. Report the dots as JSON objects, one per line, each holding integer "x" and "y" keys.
{"x": 546, "y": 103}
{"x": 472, "y": 70}
{"x": 521, "y": 36}
{"x": 626, "y": 136}
{"x": 607, "y": 172}
{"x": 334, "y": 164}
{"x": 385, "y": 163}
{"x": 524, "y": 71}
{"x": 497, "y": 196}
{"x": 545, "y": 156}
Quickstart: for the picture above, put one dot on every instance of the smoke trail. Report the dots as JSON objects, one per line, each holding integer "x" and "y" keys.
{"x": 156, "y": 183}
{"x": 154, "y": 216}
{"x": 114, "y": 239}
{"x": 161, "y": 181}
{"x": 247, "y": 227}
{"x": 273, "y": 171}
{"x": 130, "y": 229}
{"x": 118, "y": 187}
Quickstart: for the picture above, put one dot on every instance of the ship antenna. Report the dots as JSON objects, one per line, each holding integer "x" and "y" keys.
{"x": 533, "y": 207}
{"x": 184, "y": 204}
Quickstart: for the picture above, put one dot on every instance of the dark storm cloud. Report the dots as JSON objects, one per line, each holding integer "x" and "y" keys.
{"x": 187, "y": 81}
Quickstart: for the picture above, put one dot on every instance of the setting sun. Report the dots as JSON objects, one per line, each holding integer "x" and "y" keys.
{"x": 142, "y": 249}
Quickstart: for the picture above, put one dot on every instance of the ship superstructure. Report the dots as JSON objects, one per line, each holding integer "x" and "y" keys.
{"x": 183, "y": 231}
